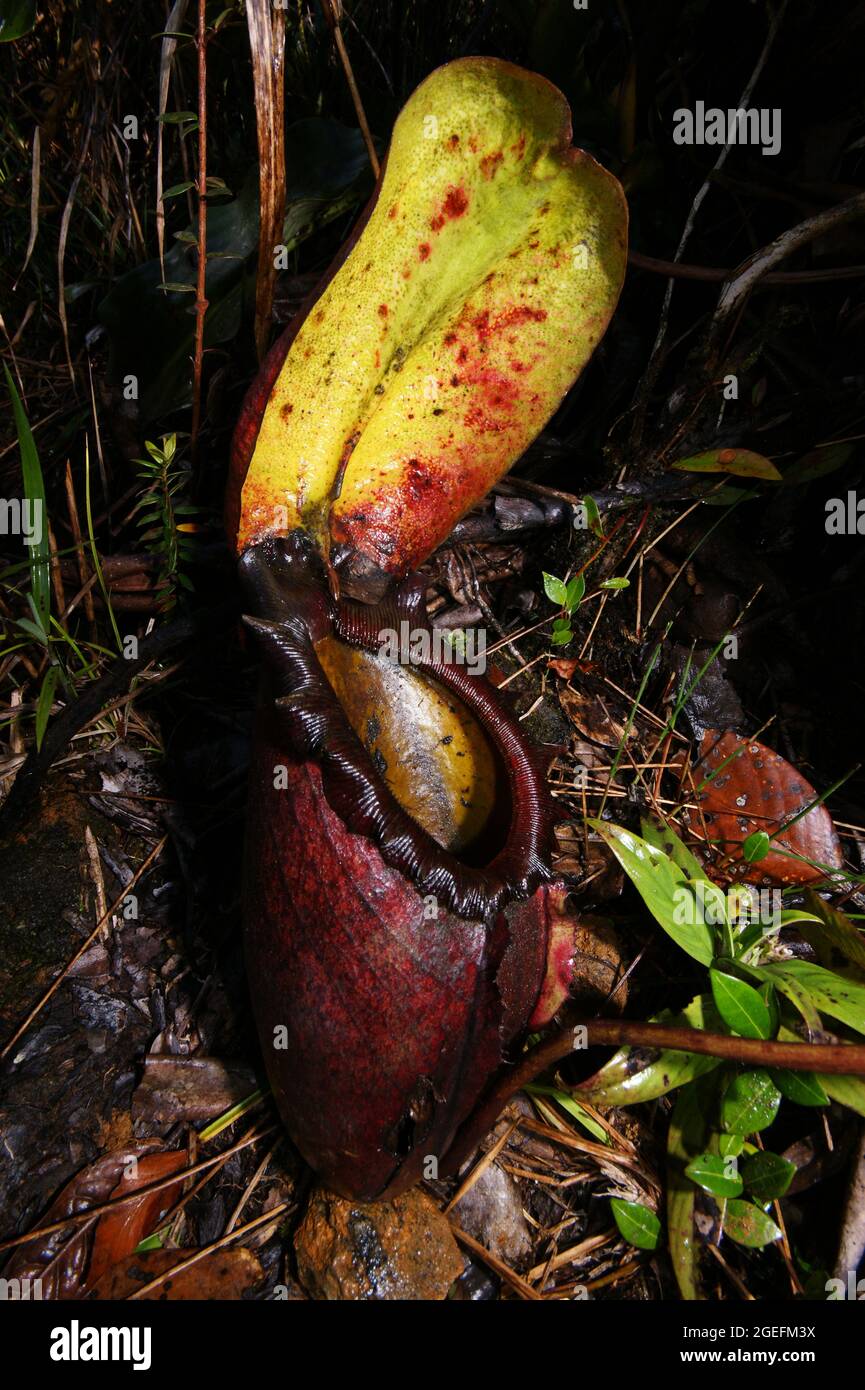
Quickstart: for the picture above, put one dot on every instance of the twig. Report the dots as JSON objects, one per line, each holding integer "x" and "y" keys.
{"x": 498, "y": 1266}
{"x": 266, "y": 26}
{"x": 743, "y": 280}
{"x": 679, "y": 270}
{"x": 838, "y": 1059}
{"x": 173, "y": 1272}
{"x": 333, "y": 15}
{"x": 81, "y": 1217}
{"x": 201, "y": 282}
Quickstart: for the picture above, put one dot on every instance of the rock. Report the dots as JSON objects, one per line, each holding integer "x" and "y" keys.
{"x": 386, "y": 1251}
{"x": 492, "y": 1212}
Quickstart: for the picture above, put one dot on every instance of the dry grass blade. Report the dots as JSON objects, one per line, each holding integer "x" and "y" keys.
{"x": 498, "y": 1266}
{"x": 61, "y": 245}
{"x": 267, "y": 47}
{"x": 35, "y": 174}
{"x": 166, "y": 58}
{"x": 201, "y": 278}
{"x": 333, "y": 15}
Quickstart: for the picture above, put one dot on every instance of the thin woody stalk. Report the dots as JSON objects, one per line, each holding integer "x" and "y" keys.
{"x": 837, "y": 1059}
{"x": 201, "y": 283}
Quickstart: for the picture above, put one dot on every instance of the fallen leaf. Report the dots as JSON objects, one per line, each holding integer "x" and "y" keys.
{"x": 60, "y": 1260}
{"x": 742, "y": 463}
{"x": 222, "y": 1275}
{"x": 119, "y": 1232}
{"x": 757, "y": 790}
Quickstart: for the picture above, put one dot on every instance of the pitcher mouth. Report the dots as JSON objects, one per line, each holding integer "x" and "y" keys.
{"x": 306, "y": 634}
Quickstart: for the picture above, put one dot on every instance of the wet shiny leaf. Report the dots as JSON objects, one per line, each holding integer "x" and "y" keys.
{"x": 744, "y": 789}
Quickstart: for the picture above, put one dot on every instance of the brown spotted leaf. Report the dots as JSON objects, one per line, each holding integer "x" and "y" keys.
{"x": 221, "y": 1275}
{"x": 753, "y": 789}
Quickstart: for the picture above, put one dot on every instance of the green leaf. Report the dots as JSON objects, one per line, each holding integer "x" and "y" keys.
{"x": 618, "y": 582}
{"x": 740, "y": 1006}
{"x": 743, "y": 463}
{"x": 830, "y": 993}
{"x": 837, "y": 931}
{"x": 686, "y": 1138}
{"x": 802, "y": 1087}
{"x": 748, "y": 1225}
{"x": 767, "y": 1176}
{"x": 17, "y": 18}
{"x": 561, "y": 636}
{"x": 664, "y": 888}
{"x": 43, "y": 704}
{"x": 665, "y": 839}
{"x": 34, "y": 492}
{"x": 555, "y": 589}
{"x": 177, "y": 118}
{"x": 818, "y": 463}
{"x": 593, "y": 516}
{"x": 712, "y": 1173}
{"x": 846, "y": 1090}
{"x": 176, "y": 189}
{"x": 637, "y": 1224}
{"x": 619, "y": 1082}
{"x": 755, "y": 847}
{"x": 750, "y": 1103}
{"x": 574, "y": 590}
{"x": 731, "y": 1145}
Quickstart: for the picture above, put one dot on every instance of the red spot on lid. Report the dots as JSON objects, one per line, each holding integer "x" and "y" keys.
{"x": 454, "y": 141}
{"x": 382, "y": 311}
{"x": 424, "y": 250}
{"x": 455, "y": 204}
{"x": 393, "y": 211}
{"x": 490, "y": 163}
{"x": 518, "y": 313}
{"x": 449, "y": 339}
